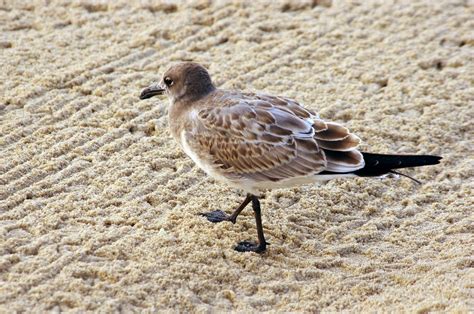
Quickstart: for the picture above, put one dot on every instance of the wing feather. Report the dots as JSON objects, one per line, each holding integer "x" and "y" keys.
{"x": 334, "y": 132}
{"x": 346, "y": 144}
{"x": 268, "y": 138}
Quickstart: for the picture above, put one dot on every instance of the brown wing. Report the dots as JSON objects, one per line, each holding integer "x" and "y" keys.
{"x": 338, "y": 144}
{"x": 267, "y": 138}
{"x": 255, "y": 140}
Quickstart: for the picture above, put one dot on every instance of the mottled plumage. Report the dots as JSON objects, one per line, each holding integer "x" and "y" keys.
{"x": 255, "y": 141}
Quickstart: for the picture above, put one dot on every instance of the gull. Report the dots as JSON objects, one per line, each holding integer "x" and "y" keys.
{"x": 257, "y": 142}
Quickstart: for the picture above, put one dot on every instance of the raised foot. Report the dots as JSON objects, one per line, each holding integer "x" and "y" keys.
{"x": 217, "y": 216}
{"x": 246, "y": 246}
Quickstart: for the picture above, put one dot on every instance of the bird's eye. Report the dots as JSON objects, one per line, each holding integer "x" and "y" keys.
{"x": 168, "y": 81}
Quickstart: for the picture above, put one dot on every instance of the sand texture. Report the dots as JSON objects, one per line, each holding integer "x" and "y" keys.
{"x": 99, "y": 206}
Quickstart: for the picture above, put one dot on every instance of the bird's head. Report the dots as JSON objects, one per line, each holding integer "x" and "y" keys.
{"x": 187, "y": 80}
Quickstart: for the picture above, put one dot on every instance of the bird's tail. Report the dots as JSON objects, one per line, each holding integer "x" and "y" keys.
{"x": 379, "y": 164}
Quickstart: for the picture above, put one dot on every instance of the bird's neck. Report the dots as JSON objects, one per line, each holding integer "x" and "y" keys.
{"x": 179, "y": 110}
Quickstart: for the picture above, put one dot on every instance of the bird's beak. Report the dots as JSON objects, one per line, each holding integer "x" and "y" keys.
{"x": 152, "y": 90}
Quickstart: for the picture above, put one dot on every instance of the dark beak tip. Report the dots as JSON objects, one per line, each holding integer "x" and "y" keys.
{"x": 150, "y": 92}
{"x": 143, "y": 95}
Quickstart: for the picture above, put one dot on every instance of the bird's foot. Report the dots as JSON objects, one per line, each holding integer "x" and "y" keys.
{"x": 217, "y": 216}
{"x": 246, "y": 246}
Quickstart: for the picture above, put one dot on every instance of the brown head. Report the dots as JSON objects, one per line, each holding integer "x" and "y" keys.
{"x": 187, "y": 80}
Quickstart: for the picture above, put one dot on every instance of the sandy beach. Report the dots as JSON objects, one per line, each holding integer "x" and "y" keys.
{"x": 98, "y": 205}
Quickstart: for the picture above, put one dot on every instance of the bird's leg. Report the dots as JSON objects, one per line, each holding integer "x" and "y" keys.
{"x": 261, "y": 246}
{"x": 219, "y": 215}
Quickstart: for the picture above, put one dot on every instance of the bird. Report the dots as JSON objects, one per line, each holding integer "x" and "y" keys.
{"x": 256, "y": 142}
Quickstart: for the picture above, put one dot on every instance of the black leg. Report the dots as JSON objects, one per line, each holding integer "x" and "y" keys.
{"x": 219, "y": 215}
{"x": 261, "y": 246}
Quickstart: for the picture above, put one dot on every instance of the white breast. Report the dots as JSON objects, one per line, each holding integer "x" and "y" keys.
{"x": 207, "y": 167}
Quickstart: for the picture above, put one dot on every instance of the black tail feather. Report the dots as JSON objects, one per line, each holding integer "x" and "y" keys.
{"x": 379, "y": 164}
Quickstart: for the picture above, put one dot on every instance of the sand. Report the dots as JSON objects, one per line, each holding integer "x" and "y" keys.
{"x": 99, "y": 206}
